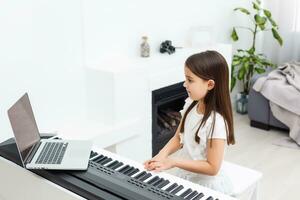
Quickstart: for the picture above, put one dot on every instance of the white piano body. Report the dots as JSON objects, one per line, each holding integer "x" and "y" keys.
{"x": 19, "y": 183}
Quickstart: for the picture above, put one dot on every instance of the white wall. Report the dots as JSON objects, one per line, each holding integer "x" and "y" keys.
{"x": 46, "y": 45}
{"x": 116, "y": 27}
{"x": 41, "y": 53}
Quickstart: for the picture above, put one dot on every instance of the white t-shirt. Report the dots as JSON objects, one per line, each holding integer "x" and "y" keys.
{"x": 197, "y": 151}
{"x": 192, "y": 123}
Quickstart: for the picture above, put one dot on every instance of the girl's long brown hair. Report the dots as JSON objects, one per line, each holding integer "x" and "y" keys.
{"x": 212, "y": 65}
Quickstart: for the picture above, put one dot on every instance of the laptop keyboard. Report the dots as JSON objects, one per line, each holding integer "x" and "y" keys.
{"x": 52, "y": 153}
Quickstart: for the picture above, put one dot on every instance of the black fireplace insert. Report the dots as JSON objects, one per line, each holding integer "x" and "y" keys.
{"x": 166, "y": 104}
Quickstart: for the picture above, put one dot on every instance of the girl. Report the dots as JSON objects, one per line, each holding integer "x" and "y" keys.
{"x": 205, "y": 127}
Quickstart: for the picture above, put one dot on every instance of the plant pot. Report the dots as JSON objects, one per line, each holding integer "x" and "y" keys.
{"x": 241, "y": 103}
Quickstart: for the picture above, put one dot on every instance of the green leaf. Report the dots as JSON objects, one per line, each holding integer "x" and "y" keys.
{"x": 272, "y": 22}
{"x": 277, "y": 36}
{"x": 236, "y": 62}
{"x": 245, "y": 59}
{"x": 266, "y": 63}
{"x": 243, "y": 10}
{"x": 267, "y": 13}
{"x": 236, "y": 57}
{"x": 260, "y": 20}
{"x": 234, "y": 35}
{"x": 246, "y": 64}
{"x": 251, "y": 51}
{"x": 259, "y": 70}
{"x": 255, "y": 6}
{"x": 232, "y": 83}
{"x": 244, "y": 68}
{"x": 258, "y": 1}
{"x": 232, "y": 69}
{"x": 269, "y": 16}
{"x": 262, "y": 27}
{"x": 241, "y": 73}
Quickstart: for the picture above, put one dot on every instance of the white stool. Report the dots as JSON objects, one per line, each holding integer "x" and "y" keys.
{"x": 245, "y": 181}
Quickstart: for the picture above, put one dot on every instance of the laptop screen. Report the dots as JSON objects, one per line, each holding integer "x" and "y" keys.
{"x": 24, "y": 125}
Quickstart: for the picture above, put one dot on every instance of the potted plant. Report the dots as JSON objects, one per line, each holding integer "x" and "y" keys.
{"x": 247, "y": 62}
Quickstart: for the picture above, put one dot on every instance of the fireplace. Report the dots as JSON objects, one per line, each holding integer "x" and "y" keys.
{"x": 166, "y": 104}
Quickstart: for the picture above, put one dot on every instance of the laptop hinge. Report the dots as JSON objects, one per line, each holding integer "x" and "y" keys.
{"x": 32, "y": 152}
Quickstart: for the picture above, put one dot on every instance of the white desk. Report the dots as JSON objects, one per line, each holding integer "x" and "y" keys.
{"x": 17, "y": 183}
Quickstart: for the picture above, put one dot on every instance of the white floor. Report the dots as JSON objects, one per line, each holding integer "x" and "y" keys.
{"x": 280, "y": 165}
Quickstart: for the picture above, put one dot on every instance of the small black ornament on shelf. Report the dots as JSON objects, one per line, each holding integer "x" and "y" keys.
{"x": 167, "y": 46}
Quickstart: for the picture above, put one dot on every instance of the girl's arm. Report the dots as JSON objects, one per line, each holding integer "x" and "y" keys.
{"x": 172, "y": 146}
{"x": 210, "y": 166}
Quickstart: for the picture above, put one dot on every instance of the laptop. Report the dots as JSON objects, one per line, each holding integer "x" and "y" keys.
{"x": 37, "y": 153}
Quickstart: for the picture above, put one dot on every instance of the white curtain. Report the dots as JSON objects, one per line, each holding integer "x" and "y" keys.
{"x": 287, "y": 15}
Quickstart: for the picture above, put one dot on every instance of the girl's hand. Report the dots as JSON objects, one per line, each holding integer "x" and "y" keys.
{"x": 161, "y": 164}
{"x": 158, "y": 157}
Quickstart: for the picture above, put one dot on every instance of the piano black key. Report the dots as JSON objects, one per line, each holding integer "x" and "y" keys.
{"x": 190, "y": 196}
{"x": 163, "y": 184}
{"x": 140, "y": 175}
{"x": 180, "y": 187}
{"x": 117, "y": 165}
{"x": 128, "y": 170}
{"x": 158, "y": 182}
{"x": 155, "y": 178}
{"x": 145, "y": 177}
{"x": 105, "y": 161}
{"x": 98, "y": 158}
{"x": 123, "y": 168}
{"x": 155, "y": 181}
{"x": 171, "y": 187}
{"x": 210, "y": 198}
{"x": 112, "y": 164}
{"x": 185, "y": 193}
{"x": 199, "y": 196}
{"x": 136, "y": 170}
{"x": 93, "y": 154}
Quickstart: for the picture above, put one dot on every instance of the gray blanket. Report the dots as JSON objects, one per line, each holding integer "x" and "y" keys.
{"x": 282, "y": 88}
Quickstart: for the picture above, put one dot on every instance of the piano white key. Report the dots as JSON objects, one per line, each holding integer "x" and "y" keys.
{"x": 136, "y": 174}
{"x": 109, "y": 162}
{"x": 117, "y": 169}
{"x": 95, "y": 157}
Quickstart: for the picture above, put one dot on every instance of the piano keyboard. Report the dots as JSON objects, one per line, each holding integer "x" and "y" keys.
{"x": 128, "y": 179}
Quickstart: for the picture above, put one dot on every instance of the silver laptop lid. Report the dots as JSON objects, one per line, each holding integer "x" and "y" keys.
{"x": 24, "y": 126}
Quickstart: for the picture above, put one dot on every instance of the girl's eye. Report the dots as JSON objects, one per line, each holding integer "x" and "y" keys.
{"x": 188, "y": 80}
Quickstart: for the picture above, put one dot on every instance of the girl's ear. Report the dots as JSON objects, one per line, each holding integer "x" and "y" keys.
{"x": 210, "y": 84}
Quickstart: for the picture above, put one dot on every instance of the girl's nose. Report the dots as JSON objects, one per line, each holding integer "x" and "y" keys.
{"x": 184, "y": 84}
